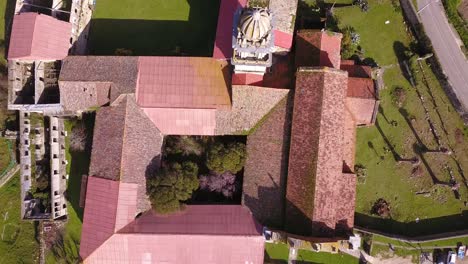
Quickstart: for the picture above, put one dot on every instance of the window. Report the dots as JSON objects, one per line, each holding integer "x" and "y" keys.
{"x": 55, "y": 140}
{"x": 26, "y": 153}
{"x": 55, "y": 172}
{"x": 54, "y": 128}
{"x": 26, "y": 178}
{"x": 55, "y": 192}
{"x": 55, "y": 156}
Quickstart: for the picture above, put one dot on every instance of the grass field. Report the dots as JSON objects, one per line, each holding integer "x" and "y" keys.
{"x": 5, "y": 155}
{"x": 17, "y": 238}
{"x": 157, "y": 27}
{"x": 396, "y": 136}
{"x": 452, "y": 243}
{"x": 278, "y": 253}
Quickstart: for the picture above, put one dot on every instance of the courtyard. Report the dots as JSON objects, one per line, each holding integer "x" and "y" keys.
{"x": 154, "y": 28}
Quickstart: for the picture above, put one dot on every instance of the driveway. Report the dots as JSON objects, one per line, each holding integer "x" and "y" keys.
{"x": 445, "y": 42}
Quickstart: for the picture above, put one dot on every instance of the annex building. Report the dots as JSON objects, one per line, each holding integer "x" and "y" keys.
{"x": 288, "y": 91}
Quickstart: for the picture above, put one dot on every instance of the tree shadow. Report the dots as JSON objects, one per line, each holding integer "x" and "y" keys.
{"x": 194, "y": 37}
{"x": 401, "y": 51}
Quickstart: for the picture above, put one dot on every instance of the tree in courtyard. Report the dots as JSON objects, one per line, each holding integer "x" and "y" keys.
{"x": 224, "y": 183}
{"x": 78, "y": 137}
{"x": 226, "y": 157}
{"x": 184, "y": 145}
{"x": 172, "y": 185}
{"x": 349, "y": 42}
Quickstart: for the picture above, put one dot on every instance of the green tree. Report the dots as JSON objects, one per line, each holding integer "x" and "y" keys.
{"x": 172, "y": 185}
{"x": 222, "y": 158}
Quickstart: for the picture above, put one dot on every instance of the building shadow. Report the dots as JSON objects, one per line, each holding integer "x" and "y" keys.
{"x": 80, "y": 161}
{"x": 424, "y": 229}
{"x": 194, "y": 37}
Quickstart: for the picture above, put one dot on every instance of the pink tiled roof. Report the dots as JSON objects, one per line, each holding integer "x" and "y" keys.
{"x": 247, "y": 79}
{"x": 173, "y": 121}
{"x": 39, "y": 37}
{"x": 233, "y": 220}
{"x": 99, "y": 214}
{"x": 182, "y": 82}
{"x": 223, "y": 43}
{"x": 283, "y": 39}
{"x": 179, "y": 249}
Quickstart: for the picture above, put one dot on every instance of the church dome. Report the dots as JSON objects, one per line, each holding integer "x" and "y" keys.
{"x": 255, "y": 24}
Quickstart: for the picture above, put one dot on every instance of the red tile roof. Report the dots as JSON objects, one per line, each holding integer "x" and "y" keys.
{"x": 353, "y": 70}
{"x": 349, "y": 142}
{"x": 182, "y": 82}
{"x": 232, "y": 220}
{"x": 345, "y": 203}
{"x": 173, "y": 121}
{"x": 223, "y": 43}
{"x": 99, "y": 214}
{"x": 316, "y": 151}
{"x": 39, "y": 37}
{"x": 247, "y": 79}
{"x": 283, "y": 39}
{"x": 361, "y": 100}
{"x": 318, "y": 48}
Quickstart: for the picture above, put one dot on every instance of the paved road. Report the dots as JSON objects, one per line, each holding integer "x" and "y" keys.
{"x": 446, "y": 46}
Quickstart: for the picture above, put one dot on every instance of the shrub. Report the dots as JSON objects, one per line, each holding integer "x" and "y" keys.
{"x": 172, "y": 185}
{"x": 361, "y": 172}
{"x": 349, "y": 42}
{"x": 42, "y": 183}
{"x": 221, "y": 183}
{"x": 399, "y": 96}
{"x": 381, "y": 208}
{"x": 230, "y": 157}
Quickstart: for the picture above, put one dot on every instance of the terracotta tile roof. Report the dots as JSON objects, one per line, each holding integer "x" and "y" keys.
{"x": 228, "y": 220}
{"x": 349, "y": 142}
{"x": 223, "y": 42}
{"x": 316, "y": 152}
{"x": 173, "y": 121}
{"x": 141, "y": 153}
{"x": 120, "y": 71}
{"x": 360, "y": 71}
{"x": 318, "y": 48}
{"x": 182, "y": 82}
{"x": 250, "y": 105}
{"x": 345, "y": 203}
{"x": 265, "y": 170}
{"x": 361, "y": 100}
{"x": 99, "y": 214}
{"x": 179, "y": 249}
{"x": 361, "y": 88}
{"x": 106, "y": 155}
{"x": 126, "y": 146}
{"x": 38, "y": 37}
{"x": 283, "y": 39}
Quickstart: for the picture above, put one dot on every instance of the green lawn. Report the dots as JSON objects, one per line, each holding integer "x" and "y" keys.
{"x": 5, "y": 154}
{"x": 278, "y": 253}
{"x": 438, "y": 210}
{"x": 157, "y": 27}
{"x": 17, "y": 238}
{"x": 325, "y": 258}
{"x": 78, "y": 164}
